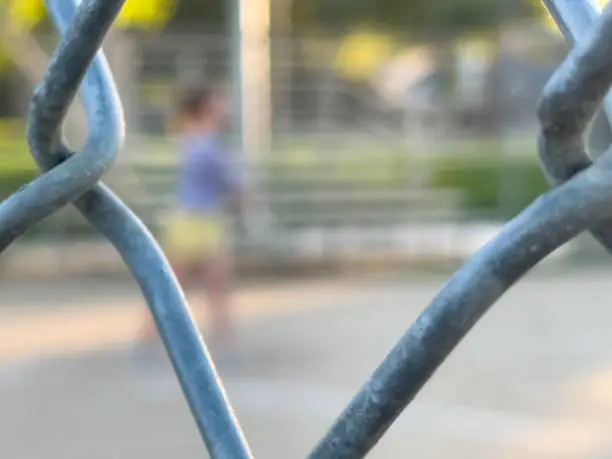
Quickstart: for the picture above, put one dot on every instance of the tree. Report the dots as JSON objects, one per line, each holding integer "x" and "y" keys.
{"x": 204, "y": 13}
{"x": 18, "y": 18}
{"x": 415, "y": 16}
{"x": 146, "y": 14}
{"x": 26, "y": 14}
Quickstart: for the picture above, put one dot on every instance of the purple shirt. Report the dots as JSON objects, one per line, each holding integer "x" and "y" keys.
{"x": 206, "y": 177}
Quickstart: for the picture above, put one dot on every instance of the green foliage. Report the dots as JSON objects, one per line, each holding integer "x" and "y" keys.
{"x": 490, "y": 185}
{"x": 27, "y": 14}
{"x": 197, "y": 12}
{"x": 416, "y": 15}
{"x": 12, "y": 180}
{"x": 300, "y": 172}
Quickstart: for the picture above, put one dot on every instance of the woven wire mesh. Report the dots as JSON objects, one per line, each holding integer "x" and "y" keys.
{"x": 578, "y": 202}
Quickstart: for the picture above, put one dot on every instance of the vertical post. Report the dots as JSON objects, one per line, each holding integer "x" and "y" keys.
{"x": 281, "y": 53}
{"x": 235, "y": 54}
{"x": 506, "y": 183}
{"x": 251, "y": 73}
{"x": 250, "y": 54}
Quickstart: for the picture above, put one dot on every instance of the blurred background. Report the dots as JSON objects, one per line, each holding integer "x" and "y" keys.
{"x": 372, "y": 130}
{"x": 389, "y": 140}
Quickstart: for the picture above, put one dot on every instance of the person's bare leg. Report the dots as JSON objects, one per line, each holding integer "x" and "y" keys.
{"x": 148, "y": 330}
{"x": 218, "y": 286}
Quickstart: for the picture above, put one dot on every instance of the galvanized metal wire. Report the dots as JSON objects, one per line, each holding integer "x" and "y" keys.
{"x": 579, "y": 202}
{"x": 74, "y": 177}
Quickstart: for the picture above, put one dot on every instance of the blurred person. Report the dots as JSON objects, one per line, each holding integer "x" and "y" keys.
{"x": 196, "y": 236}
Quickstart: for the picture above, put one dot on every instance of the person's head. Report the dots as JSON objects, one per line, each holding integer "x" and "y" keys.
{"x": 201, "y": 109}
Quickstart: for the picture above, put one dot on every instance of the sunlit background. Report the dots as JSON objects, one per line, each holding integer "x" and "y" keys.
{"x": 388, "y": 140}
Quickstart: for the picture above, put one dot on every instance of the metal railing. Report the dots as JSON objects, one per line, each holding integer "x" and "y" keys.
{"x": 579, "y": 202}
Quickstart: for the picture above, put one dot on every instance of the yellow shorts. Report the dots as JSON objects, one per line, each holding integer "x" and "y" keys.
{"x": 194, "y": 235}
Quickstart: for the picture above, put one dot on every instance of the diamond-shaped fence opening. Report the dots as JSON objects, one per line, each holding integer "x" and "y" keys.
{"x": 578, "y": 202}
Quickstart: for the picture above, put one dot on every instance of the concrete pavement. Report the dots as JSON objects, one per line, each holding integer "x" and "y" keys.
{"x": 533, "y": 380}
{"x": 43, "y": 320}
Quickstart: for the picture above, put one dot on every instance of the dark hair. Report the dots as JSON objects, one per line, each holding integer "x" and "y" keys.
{"x": 191, "y": 101}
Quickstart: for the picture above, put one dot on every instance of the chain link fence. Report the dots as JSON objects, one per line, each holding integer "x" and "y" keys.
{"x": 578, "y": 202}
